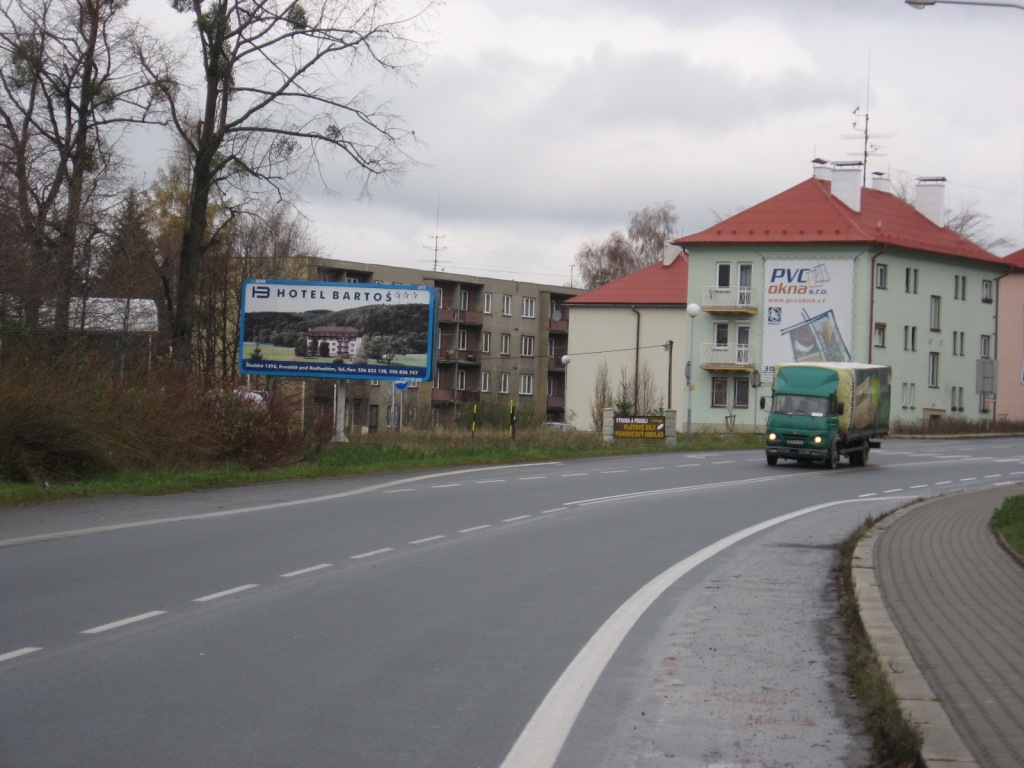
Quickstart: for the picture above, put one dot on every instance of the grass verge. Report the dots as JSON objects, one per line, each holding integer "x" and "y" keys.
{"x": 382, "y": 452}
{"x": 1008, "y": 525}
{"x": 896, "y": 742}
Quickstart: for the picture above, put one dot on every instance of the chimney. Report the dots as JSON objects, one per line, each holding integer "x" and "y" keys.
{"x": 846, "y": 178}
{"x": 930, "y": 198}
{"x": 670, "y": 253}
{"x": 881, "y": 182}
{"x": 821, "y": 169}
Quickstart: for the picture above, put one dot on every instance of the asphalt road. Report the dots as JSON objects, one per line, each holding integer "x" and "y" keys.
{"x": 485, "y": 617}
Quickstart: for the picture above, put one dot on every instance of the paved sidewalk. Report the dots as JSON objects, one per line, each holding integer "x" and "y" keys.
{"x": 944, "y": 605}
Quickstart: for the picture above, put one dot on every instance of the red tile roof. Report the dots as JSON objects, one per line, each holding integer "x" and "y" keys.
{"x": 809, "y": 213}
{"x": 1015, "y": 259}
{"x": 656, "y": 284}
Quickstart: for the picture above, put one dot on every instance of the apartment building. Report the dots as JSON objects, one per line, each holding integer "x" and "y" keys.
{"x": 498, "y": 345}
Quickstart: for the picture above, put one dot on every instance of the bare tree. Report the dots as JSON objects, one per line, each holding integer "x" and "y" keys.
{"x": 642, "y": 245}
{"x": 272, "y": 98}
{"x": 68, "y": 80}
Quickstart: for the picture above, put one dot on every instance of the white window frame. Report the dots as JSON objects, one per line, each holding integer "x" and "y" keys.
{"x": 485, "y": 381}
{"x": 485, "y": 342}
{"x": 503, "y": 381}
{"x": 463, "y": 299}
{"x": 881, "y": 277}
{"x": 986, "y": 291}
{"x": 460, "y": 379}
{"x": 879, "y": 338}
{"x": 529, "y": 307}
{"x": 487, "y": 303}
{"x": 910, "y": 338}
{"x": 526, "y": 346}
{"x": 986, "y": 346}
{"x": 463, "y": 342}
{"x": 506, "y": 304}
{"x": 526, "y": 384}
{"x": 933, "y": 370}
{"x": 935, "y": 314}
{"x": 506, "y": 343}
{"x": 911, "y": 280}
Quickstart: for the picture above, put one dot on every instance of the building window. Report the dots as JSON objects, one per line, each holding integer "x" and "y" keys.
{"x": 414, "y": 384}
{"x": 526, "y": 346}
{"x": 722, "y": 275}
{"x": 463, "y": 339}
{"x": 551, "y": 386}
{"x": 956, "y": 399}
{"x": 986, "y": 291}
{"x": 911, "y": 280}
{"x": 551, "y": 346}
{"x": 463, "y": 300}
{"x": 933, "y": 369}
{"x": 908, "y": 395}
{"x": 526, "y": 384}
{"x": 460, "y": 379}
{"x": 910, "y": 338}
{"x": 485, "y": 343}
{"x": 746, "y": 293}
{"x": 958, "y": 343}
{"x": 960, "y": 287}
{"x": 506, "y": 343}
{"x": 529, "y": 307}
{"x": 741, "y": 393}
{"x": 986, "y": 350}
{"x": 881, "y": 276}
{"x": 503, "y": 383}
{"x": 719, "y": 392}
{"x": 487, "y": 303}
{"x": 485, "y": 381}
{"x": 374, "y": 382}
{"x": 506, "y": 305}
{"x": 880, "y": 335}
{"x": 721, "y": 334}
{"x": 936, "y": 314}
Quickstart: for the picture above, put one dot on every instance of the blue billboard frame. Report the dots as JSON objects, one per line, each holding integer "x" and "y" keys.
{"x": 314, "y": 312}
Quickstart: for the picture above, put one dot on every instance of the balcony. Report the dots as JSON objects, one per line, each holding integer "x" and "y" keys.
{"x": 466, "y": 316}
{"x": 558, "y": 326}
{"x": 555, "y": 364}
{"x": 465, "y": 356}
{"x": 555, "y": 403}
{"x": 738, "y": 299}
{"x": 728, "y": 357}
{"x": 441, "y": 395}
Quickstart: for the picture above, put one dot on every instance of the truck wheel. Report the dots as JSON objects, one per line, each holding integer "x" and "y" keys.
{"x": 832, "y": 460}
{"x": 772, "y": 460}
{"x": 859, "y": 458}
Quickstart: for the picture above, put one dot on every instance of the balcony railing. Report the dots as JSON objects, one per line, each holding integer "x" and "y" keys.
{"x": 728, "y": 297}
{"x": 727, "y": 355}
{"x": 448, "y": 395}
{"x": 469, "y": 316}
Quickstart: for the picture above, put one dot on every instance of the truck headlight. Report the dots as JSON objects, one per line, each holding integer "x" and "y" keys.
{"x": 817, "y": 439}
{"x": 772, "y": 437}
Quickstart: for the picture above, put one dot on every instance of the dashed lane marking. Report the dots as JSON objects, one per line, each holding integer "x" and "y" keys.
{"x": 373, "y": 553}
{"x": 20, "y": 652}
{"x": 304, "y": 571}
{"x": 225, "y": 593}
{"x": 122, "y": 622}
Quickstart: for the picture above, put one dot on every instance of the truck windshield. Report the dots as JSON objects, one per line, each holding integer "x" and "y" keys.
{"x": 800, "y": 405}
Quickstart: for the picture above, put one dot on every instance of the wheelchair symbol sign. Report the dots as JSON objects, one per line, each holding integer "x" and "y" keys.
{"x": 774, "y": 314}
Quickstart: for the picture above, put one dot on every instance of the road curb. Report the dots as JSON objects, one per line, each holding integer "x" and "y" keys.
{"x": 942, "y": 745}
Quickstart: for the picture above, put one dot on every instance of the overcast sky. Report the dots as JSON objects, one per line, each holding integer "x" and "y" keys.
{"x": 543, "y": 124}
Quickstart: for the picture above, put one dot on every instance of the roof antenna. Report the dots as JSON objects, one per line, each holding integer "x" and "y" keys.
{"x": 863, "y": 130}
{"x": 436, "y": 237}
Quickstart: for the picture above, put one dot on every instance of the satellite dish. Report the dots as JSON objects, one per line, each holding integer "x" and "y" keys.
{"x": 556, "y": 315}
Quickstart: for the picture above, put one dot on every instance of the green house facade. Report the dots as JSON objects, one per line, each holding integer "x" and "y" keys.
{"x": 830, "y": 270}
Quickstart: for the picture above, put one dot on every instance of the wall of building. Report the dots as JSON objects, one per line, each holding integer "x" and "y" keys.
{"x": 1010, "y": 397}
{"x": 617, "y": 341}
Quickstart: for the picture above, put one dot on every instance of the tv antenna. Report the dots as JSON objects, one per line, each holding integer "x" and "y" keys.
{"x": 436, "y": 237}
{"x": 862, "y": 124}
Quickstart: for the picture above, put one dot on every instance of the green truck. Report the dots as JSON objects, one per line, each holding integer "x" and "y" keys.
{"x": 821, "y": 411}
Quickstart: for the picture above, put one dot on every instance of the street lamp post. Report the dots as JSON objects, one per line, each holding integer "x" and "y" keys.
{"x": 920, "y": 4}
{"x": 692, "y": 310}
{"x": 668, "y": 346}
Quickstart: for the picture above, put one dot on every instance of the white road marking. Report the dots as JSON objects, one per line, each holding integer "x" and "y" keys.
{"x": 866, "y": 495}
{"x": 474, "y": 528}
{"x": 535, "y": 477}
{"x": 429, "y": 538}
{"x": 944, "y": 482}
{"x": 514, "y": 519}
{"x": 549, "y": 511}
{"x": 613, "y": 471}
{"x": 225, "y": 593}
{"x": 447, "y": 485}
{"x": 371, "y": 554}
{"x": 966, "y": 479}
{"x": 989, "y": 477}
{"x": 914, "y": 487}
{"x": 485, "y": 482}
{"x": 650, "y": 469}
{"x": 401, "y": 490}
{"x": 15, "y": 654}
{"x": 575, "y": 474}
{"x": 544, "y": 735}
{"x": 122, "y": 622}
{"x": 306, "y": 570}
{"x": 893, "y": 490}
{"x": 731, "y": 461}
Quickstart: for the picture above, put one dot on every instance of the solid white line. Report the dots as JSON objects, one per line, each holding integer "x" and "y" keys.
{"x": 544, "y": 735}
{"x": 514, "y": 519}
{"x": 374, "y": 552}
{"x": 15, "y": 654}
{"x": 682, "y": 488}
{"x": 429, "y": 538}
{"x": 225, "y": 593}
{"x": 476, "y": 528}
{"x": 122, "y": 622}
{"x": 306, "y": 570}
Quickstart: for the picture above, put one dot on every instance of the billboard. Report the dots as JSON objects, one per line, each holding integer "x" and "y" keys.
{"x": 808, "y": 313}
{"x": 336, "y": 330}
